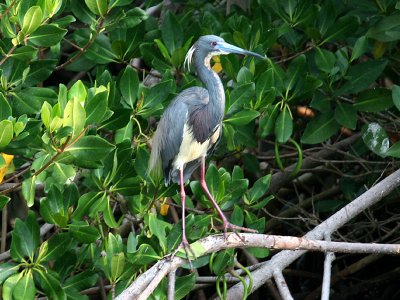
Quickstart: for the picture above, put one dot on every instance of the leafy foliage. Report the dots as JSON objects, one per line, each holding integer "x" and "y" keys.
{"x": 82, "y": 83}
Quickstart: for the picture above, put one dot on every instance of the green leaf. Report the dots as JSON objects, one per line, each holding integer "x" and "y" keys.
{"x": 163, "y": 49}
{"x": 237, "y": 217}
{"x": 25, "y": 53}
{"x": 47, "y": 35}
{"x": 158, "y": 228}
{"x": 266, "y": 85}
{"x": 62, "y": 173}
{"x": 259, "y": 188}
{"x": 396, "y": 96}
{"x": 132, "y": 243}
{"x": 45, "y": 113}
{"x": 75, "y": 116}
{"x": 25, "y": 238}
{"x": 90, "y": 148}
{"x": 39, "y": 71}
{"x": 30, "y": 100}
{"x": 268, "y": 120}
{"x": 32, "y": 20}
{"x": 96, "y": 107}
{"x": 3, "y": 201}
{"x": 54, "y": 209}
{"x": 184, "y": 285}
{"x": 362, "y": 75}
{"x": 319, "y": 129}
{"x": 109, "y": 216}
{"x": 6, "y": 270}
{"x": 129, "y": 86}
{"x": 133, "y": 17}
{"x": 346, "y": 115}
{"x": 394, "y": 151}
{"x": 374, "y": 100}
{"x": 284, "y": 126}
{"x": 50, "y": 282}
{"x": 83, "y": 232}
{"x": 154, "y": 97}
{"x": 242, "y": 117}
{"x": 98, "y": 7}
{"x": 386, "y": 30}
{"x": 342, "y": 28}
{"x": 6, "y": 132}
{"x": 9, "y": 286}
{"x": 85, "y": 202}
{"x": 376, "y": 139}
{"x": 81, "y": 281}
{"x": 238, "y": 96}
{"x": 117, "y": 265}
{"x": 223, "y": 261}
{"x": 295, "y": 72}
{"x": 81, "y": 11}
{"x": 29, "y": 190}
{"x": 143, "y": 256}
{"x": 100, "y": 52}
{"x": 325, "y": 60}
{"x": 5, "y": 108}
{"x": 57, "y": 246}
{"x": 359, "y": 47}
{"x": 172, "y": 32}
{"x": 25, "y": 288}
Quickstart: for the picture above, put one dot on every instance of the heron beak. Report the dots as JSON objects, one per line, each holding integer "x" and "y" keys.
{"x": 228, "y": 48}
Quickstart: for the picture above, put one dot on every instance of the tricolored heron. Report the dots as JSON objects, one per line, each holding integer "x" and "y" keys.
{"x": 191, "y": 126}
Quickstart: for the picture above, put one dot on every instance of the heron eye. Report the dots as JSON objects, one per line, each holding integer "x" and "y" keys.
{"x": 213, "y": 44}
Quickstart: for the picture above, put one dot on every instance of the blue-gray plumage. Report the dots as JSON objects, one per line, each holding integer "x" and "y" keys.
{"x": 192, "y": 124}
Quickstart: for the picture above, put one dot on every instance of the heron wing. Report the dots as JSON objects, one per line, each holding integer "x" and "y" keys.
{"x": 169, "y": 134}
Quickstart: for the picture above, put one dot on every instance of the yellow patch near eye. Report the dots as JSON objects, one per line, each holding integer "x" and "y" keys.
{"x": 217, "y": 67}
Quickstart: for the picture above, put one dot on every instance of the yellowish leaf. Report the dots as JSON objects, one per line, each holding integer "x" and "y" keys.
{"x": 3, "y": 170}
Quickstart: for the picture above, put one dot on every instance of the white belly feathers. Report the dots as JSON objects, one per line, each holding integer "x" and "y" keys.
{"x": 191, "y": 149}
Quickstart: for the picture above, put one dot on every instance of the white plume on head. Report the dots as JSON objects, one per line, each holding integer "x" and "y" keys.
{"x": 189, "y": 57}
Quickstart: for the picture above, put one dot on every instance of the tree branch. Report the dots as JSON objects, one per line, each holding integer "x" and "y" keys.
{"x": 148, "y": 281}
{"x": 285, "y": 258}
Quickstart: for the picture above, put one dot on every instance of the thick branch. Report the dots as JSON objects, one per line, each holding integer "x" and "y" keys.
{"x": 285, "y": 258}
{"x": 148, "y": 281}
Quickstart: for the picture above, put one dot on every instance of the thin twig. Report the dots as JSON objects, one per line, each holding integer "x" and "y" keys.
{"x": 84, "y": 48}
{"x": 8, "y": 9}
{"x": 11, "y": 51}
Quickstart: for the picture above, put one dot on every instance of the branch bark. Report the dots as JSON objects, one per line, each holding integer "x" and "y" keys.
{"x": 142, "y": 287}
{"x": 285, "y": 258}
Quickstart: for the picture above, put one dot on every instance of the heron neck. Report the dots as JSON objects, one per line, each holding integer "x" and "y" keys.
{"x": 214, "y": 86}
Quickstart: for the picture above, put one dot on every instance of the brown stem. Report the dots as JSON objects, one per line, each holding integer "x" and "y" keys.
{"x": 8, "y": 55}
{"x": 50, "y": 162}
{"x": 8, "y": 9}
{"x": 309, "y": 48}
{"x": 84, "y": 48}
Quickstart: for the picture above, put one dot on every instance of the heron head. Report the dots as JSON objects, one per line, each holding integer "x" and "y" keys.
{"x": 208, "y": 46}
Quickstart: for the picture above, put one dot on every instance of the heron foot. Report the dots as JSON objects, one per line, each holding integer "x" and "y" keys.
{"x": 227, "y": 225}
{"x": 188, "y": 251}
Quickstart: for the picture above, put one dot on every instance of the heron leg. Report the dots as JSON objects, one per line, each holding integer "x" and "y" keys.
{"x": 225, "y": 222}
{"x": 185, "y": 244}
